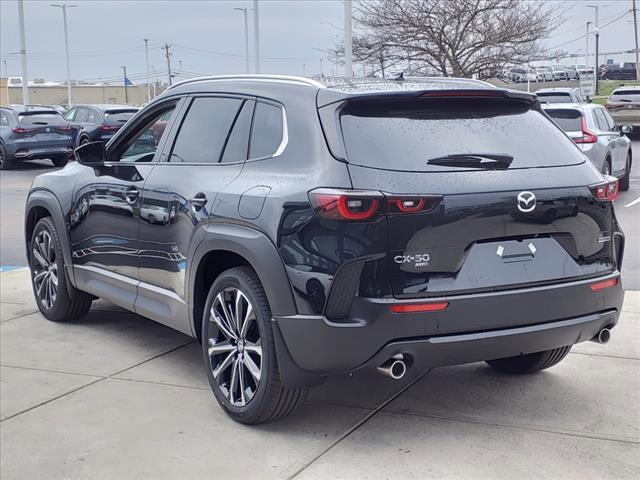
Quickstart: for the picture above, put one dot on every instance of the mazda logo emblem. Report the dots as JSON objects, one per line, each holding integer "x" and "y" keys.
{"x": 526, "y": 202}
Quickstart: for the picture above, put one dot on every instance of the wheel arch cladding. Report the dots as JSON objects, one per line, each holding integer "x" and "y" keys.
{"x": 223, "y": 246}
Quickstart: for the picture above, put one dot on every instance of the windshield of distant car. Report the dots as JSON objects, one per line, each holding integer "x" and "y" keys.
{"x": 37, "y": 118}
{"x": 626, "y": 96}
{"x": 554, "y": 97}
{"x": 569, "y": 119}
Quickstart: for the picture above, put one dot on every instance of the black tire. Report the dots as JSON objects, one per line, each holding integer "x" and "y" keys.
{"x": 5, "y": 162}
{"x": 269, "y": 400}
{"x": 624, "y": 181}
{"x": 59, "y": 161}
{"x": 530, "y": 363}
{"x": 64, "y": 304}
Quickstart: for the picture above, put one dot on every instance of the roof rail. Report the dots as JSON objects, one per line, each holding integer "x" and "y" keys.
{"x": 253, "y": 77}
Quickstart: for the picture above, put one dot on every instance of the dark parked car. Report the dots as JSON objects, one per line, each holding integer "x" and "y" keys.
{"x": 33, "y": 134}
{"x": 618, "y": 71}
{"x": 98, "y": 122}
{"x": 300, "y": 230}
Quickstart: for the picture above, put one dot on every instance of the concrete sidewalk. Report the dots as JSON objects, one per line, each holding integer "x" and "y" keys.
{"x": 117, "y": 396}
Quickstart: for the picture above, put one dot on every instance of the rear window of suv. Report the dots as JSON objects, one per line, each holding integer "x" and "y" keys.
{"x": 555, "y": 97}
{"x": 404, "y": 135}
{"x": 35, "y": 119}
{"x": 118, "y": 117}
{"x": 626, "y": 96}
{"x": 570, "y": 120}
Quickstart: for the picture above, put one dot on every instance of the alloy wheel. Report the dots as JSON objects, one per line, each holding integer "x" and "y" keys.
{"x": 45, "y": 269}
{"x": 234, "y": 346}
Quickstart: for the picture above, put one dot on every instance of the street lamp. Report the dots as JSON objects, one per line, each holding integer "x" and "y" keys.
{"x": 596, "y": 30}
{"x": 126, "y": 95}
{"x": 586, "y": 51}
{"x": 66, "y": 47}
{"x": 246, "y": 37}
{"x": 146, "y": 64}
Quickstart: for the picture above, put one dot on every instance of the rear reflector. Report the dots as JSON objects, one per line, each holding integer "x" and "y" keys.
{"x": 419, "y": 307}
{"x": 607, "y": 191}
{"x": 612, "y": 282}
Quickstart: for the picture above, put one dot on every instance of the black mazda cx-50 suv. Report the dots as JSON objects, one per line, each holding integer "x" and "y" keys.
{"x": 299, "y": 230}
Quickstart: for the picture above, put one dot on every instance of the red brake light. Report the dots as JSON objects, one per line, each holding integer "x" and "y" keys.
{"x": 587, "y": 136}
{"x": 107, "y": 128}
{"x": 419, "y": 307}
{"x": 20, "y": 130}
{"x": 345, "y": 204}
{"x": 612, "y": 282}
{"x": 606, "y": 191}
{"x": 462, "y": 93}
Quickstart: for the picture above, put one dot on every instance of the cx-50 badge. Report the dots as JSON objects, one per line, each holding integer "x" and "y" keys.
{"x": 418, "y": 260}
{"x": 526, "y": 201}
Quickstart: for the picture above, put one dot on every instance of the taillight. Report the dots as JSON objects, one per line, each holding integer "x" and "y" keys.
{"x": 419, "y": 307}
{"x": 356, "y": 205}
{"x": 463, "y": 93}
{"x": 107, "y": 128}
{"x": 20, "y": 130}
{"x": 608, "y": 190}
{"x": 587, "y": 136}
{"x": 345, "y": 204}
{"x": 612, "y": 282}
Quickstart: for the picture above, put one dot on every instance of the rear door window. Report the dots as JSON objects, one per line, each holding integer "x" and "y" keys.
{"x": 267, "y": 133}
{"x": 601, "y": 119}
{"x": 404, "y": 135}
{"x": 570, "y": 120}
{"x": 237, "y": 146}
{"x": 92, "y": 117}
{"x": 205, "y": 129}
{"x": 81, "y": 115}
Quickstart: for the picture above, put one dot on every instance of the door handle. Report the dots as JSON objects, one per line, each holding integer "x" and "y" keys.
{"x": 198, "y": 201}
{"x": 131, "y": 195}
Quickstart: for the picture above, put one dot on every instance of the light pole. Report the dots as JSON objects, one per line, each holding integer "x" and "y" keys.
{"x": 256, "y": 34}
{"x": 246, "y": 37}
{"x": 146, "y": 63}
{"x": 348, "y": 46}
{"x": 586, "y": 51}
{"x": 64, "y": 7}
{"x": 126, "y": 96}
{"x": 596, "y": 30}
{"x": 6, "y": 75}
{"x": 23, "y": 54}
{"x": 635, "y": 34}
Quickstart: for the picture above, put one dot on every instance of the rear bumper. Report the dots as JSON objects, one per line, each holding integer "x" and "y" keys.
{"x": 26, "y": 153}
{"x": 472, "y": 328}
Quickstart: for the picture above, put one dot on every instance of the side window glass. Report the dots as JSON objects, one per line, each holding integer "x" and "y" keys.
{"x": 92, "y": 117}
{"x": 205, "y": 130}
{"x": 600, "y": 120}
{"x": 69, "y": 116}
{"x": 610, "y": 121}
{"x": 237, "y": 146}
{"x": 267, "y": 131}
{"x": 4, "y": 120}
{"x": 142, "y": 146}
{"x": 81, "y": 115}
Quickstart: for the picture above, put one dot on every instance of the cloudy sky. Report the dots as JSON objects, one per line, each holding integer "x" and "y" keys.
{"x": 207, "y": 37}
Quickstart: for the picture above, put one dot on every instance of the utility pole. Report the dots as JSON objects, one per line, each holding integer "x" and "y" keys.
{"x": 586, "y": 51}
{"x": 348, "y": 46}
{"x": 23, "y": 54}
{"x": 66, "y": 48}
{"x": 256, "y": 34}
{"x": 168, "y": 55}
{"x": 321, "y": 69}
{"x": 146, "y": 64}
{"x": 304, "y": 69}
{"x": 635, "y": 32}
{"x": 126, "y": 95}
{"x": 596, "y": 30}
{"x": 6, "y": 74}
{"x": 246, "y": 37}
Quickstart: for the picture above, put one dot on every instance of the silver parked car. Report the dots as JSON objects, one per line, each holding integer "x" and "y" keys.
{"x": 560, "y": 95}
{"x": 594, "y": 131}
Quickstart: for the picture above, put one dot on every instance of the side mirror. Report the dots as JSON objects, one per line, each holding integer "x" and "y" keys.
{"x": 91, "y": 154}
{"x": 626, "y": 129}
{"x": 589, "y": 99}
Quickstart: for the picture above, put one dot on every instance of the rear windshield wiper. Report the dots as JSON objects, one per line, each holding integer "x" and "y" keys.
{"x": 473, "y": 160}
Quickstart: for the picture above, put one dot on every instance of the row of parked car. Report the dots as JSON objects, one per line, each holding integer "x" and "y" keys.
{"x": 600, "y": 131}
{"x": 552, "y": 73}
{"x": 52, "y": 132}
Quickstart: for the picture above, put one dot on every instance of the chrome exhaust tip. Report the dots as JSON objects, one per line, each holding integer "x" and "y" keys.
{"x": 603, "y": 336}
{"x": 394, "y": 367}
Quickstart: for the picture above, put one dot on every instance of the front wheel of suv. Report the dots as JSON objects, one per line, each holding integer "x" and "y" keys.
{"x": 624, "y": 181}
{"x": 530, "y": 363}
{"x": 48, "y": 277}
{"x": 239, "y": 351}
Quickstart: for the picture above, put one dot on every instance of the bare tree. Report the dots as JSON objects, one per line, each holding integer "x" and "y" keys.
{"x": 451, "y": 37}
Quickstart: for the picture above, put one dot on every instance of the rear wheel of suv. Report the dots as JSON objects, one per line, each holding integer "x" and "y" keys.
{"x": 624, "y": 181}
{"x": 239, "y": 351}
{"x": 48, "y": 277}
{"x": 530, "y": 363}
{"x": 5, "y": 162}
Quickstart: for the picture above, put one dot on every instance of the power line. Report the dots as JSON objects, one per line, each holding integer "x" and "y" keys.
{"x": 584, "y": 35}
